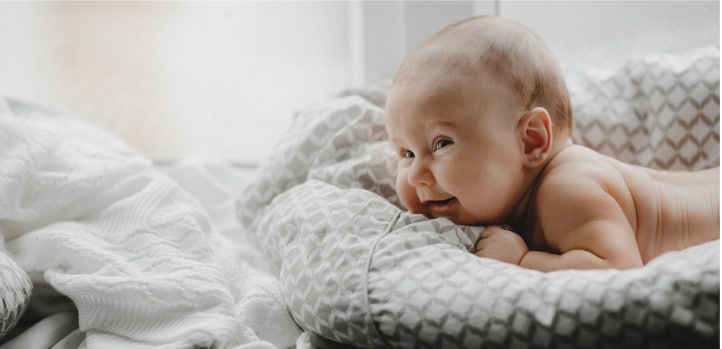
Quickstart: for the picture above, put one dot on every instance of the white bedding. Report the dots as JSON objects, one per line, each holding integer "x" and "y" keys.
{"x": 153, "y": 255}
{"x": 146, "y": 262}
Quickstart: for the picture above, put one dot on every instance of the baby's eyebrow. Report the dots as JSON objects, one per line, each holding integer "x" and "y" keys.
{"x": 393, "y": 140}
{"x": 441, "y": 120}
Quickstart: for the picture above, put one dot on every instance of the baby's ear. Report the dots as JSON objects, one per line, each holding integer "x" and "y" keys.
{"x": 536, "y": 136}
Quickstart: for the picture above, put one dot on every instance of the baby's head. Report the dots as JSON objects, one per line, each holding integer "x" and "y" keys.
{"x": 474, "y": 113}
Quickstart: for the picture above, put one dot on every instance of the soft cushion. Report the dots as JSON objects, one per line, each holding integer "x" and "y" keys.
{"x": 358, "y": 269}
{"x": 15, "y": 289}
{"x": 659, "y": 111}
{"x": 362, "y": 272}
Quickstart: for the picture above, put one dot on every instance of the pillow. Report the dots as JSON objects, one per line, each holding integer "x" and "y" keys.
{"x": 341, "y": 141}
{"x": 357, "y": 269}
{"x": 659, "y": 111}
{"x": 15, "y": 290}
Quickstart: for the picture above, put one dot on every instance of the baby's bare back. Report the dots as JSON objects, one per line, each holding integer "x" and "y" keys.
{"x": 669, "y": 210}
{"x": 675, "y": 209}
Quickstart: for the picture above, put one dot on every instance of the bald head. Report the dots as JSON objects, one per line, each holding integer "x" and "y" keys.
{"x": 489, "y": 47}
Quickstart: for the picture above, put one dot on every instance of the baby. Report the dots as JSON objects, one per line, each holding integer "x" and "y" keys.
{"x": 480, "y": 117}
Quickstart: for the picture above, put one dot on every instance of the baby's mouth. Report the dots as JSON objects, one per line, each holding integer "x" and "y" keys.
{"x": 442, "y": 207}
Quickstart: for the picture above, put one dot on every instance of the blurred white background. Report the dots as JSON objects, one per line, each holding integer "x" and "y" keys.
{"x": 220, "y": 80}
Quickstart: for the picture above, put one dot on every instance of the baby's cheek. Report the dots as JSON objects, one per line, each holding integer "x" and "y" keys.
{"x": 407, "y": 195}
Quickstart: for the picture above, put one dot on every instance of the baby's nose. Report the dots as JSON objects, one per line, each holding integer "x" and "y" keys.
{"x": 419, "y": 174}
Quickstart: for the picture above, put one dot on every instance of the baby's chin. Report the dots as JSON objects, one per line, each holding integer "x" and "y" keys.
{"x": 462, "y": 219}
{"x": 466, "y": 221}
{"x": 455, "y": 217}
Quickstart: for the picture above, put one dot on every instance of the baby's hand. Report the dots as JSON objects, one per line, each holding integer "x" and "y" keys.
{"x": 501, "y": 244}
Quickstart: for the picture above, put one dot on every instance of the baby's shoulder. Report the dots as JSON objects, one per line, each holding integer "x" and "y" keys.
{"x": 573, "y": 162}
{"x": 577, "y": 170}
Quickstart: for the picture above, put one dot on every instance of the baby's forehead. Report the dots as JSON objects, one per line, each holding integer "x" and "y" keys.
{"x": 450, "y": 88}
{"x": 480, "y": 46}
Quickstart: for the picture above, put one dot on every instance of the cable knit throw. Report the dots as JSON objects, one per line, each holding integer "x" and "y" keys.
{"x": 136, "y": 254}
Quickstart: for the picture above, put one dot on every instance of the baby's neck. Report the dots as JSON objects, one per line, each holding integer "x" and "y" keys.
{"x": 520, "y": 215}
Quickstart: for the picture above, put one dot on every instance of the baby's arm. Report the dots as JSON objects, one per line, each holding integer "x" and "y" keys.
{"x": 501, "y": 244}
{"x": 507, "y": 246}
{"x": 585, "y": 223}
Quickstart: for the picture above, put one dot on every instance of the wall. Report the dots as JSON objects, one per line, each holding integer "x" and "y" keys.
{"x": 391, "y": 29}
{"x": 222, "y": 79}
{"x": 202, "y": 79}
{"x": 603, "y": 34}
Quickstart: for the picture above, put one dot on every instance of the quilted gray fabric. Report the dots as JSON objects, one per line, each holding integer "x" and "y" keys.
{"x": 359, "y": 271}
{"x": 340, "y": 141}
{"x": 659, "y": 111}
{"x": 355, "y": 268}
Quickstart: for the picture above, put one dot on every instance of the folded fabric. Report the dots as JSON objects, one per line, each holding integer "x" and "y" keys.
{"x": 355, "y": 268}
{"x": 135, "y": 253}
{"x": 15, "y": 290}
{"x": 657, "y": 110}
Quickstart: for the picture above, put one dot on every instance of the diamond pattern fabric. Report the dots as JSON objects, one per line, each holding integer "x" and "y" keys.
{"x": 356, "y": 268}
{"x": 658, "y": 111}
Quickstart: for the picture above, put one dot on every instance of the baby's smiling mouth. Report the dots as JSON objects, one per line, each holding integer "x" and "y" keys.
{"x": 441, "y": 207}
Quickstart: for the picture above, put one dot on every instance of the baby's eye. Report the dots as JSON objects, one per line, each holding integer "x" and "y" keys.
{"x": 406, "y": 154}
{"x": 442, "y": 142}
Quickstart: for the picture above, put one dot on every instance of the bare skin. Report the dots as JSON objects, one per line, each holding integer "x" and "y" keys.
{"x": 472, "y": 149}
{"x": 591, "y": 211}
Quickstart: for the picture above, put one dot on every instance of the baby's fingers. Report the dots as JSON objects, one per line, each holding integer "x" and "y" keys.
{"x": 490, "y": 230}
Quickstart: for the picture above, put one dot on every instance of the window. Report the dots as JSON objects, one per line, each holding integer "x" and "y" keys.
{"x": 220, "y": 80}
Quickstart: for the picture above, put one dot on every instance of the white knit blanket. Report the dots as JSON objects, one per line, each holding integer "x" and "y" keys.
{"x": 138, "y": 256}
